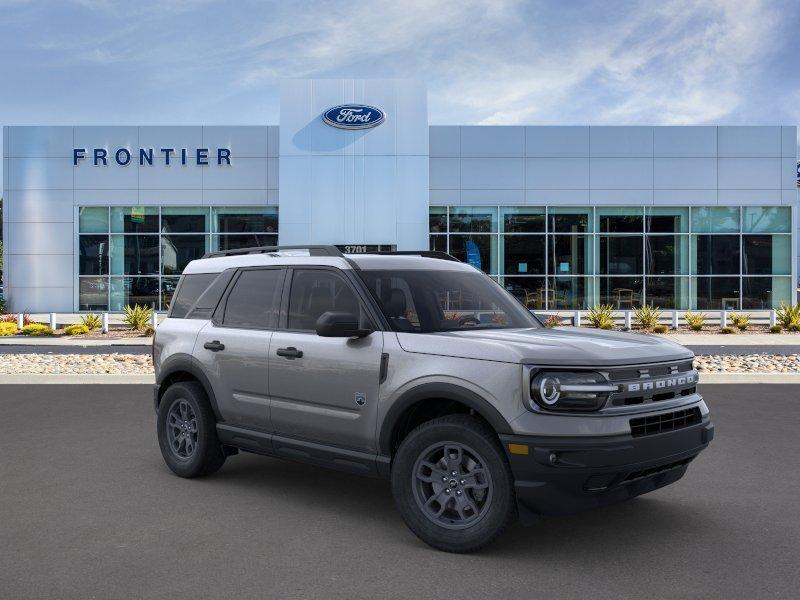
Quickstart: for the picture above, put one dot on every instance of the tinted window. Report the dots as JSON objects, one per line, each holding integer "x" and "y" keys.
{"x": 188, "y": 292}
{"x": 316, "y": 291}
{"x": 253, "y": 301}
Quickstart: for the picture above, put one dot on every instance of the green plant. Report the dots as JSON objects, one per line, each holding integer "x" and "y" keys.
{"x": 727, "y": 329}
{"x": 647, "y": 316}
{"x": 794, "y": 327}
{"x": 788, "y": 315}
{"x": 137, "y": 317}
{"x": 8, "y": 329}
{"x": 695, "y": 321}
{"x": 92, "y": 321}
{"x": 76, "y": 329}
{"x": 740, "y": 321}
{"x": 660, "y": 329}
{"x": 37, "y": 329}
{"x": 775, "y": 329}
{"x": 552, "y": 321}
{"x": 601, "y": 316}
{"x": 12, "y": 318}
{"x": 2, "y": 305}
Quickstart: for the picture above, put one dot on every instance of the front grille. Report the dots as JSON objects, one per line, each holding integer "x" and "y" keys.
{"x": 655, "y": 470}
{"x": 671, "y": 421}
{"x": 659, "y": 370}
{"x": 652, "y": 383}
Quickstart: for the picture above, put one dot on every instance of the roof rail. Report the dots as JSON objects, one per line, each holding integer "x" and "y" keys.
{"x": 424, "y": 253}
{"x": 312, "y": 251}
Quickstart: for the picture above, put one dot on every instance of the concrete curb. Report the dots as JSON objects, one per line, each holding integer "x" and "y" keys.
{"x": 39, "y": 379}
{"x": 756, "y": 339}
{"x": 749, "y": 378}
{"x": 24, "y": 340}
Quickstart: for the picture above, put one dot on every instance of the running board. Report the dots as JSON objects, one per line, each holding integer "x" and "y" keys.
{"x": 323, "y": 455}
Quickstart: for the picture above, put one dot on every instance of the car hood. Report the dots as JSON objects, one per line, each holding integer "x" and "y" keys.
{"x": 545, "y": 346}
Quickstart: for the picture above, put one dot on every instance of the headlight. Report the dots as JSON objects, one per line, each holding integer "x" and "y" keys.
{"x": 571, "y": 390}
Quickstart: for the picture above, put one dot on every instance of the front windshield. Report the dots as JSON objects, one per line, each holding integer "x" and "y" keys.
{"x": 418, "y": 301}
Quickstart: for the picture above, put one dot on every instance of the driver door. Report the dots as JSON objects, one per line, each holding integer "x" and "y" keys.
{"x": 323, "y": 389}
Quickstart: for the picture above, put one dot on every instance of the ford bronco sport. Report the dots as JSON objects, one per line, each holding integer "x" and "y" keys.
{"x": 421, "y": 369}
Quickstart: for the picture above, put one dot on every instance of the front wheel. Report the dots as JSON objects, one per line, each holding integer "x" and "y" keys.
{"x": 187, "y": 431}
{"x": 453, "y": 485}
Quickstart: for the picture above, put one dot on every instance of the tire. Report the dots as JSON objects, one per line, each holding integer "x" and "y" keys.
{"x": 479, "y": 505}
{"x": 192, "y": 450}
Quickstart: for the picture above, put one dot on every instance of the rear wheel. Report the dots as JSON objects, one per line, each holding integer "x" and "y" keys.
{"x": 187, "y": 433}
{"x": 453, "y": 485}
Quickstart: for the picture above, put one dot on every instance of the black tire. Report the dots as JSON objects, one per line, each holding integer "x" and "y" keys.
{"x": 207, "y": 455}
{"x": 493, "y": 508}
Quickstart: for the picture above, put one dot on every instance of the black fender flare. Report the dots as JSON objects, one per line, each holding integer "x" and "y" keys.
{"x": 447, "y": 391}
{"x": 185, "y": 363}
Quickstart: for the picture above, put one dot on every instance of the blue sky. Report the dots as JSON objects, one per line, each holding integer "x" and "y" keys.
{"x": 485, "y": 61}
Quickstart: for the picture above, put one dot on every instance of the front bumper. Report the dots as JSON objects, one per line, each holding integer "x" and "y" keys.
{"x": 564, "y": 475}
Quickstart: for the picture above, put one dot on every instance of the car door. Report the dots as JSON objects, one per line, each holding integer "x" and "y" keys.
{"x": 233, "y": 348}
{"x": 323, "y": 389}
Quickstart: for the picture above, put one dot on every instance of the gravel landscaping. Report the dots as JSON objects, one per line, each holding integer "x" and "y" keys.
{"x": 141, "y": 364}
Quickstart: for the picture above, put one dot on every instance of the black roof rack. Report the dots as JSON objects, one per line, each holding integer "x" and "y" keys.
{"x": 312, "y": 251}
{"x": 424, "y": 253}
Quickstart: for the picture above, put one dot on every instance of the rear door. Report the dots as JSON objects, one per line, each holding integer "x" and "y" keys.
{"x": 324, "y": 389}
{"x": 233, "y": 348}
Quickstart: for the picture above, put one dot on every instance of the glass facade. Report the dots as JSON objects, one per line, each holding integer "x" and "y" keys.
{"x": 673, "y": 257}
{"x": 135, "y": 254}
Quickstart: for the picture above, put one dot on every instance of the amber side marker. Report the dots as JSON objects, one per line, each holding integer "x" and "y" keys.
{"x": 518, "y": 448}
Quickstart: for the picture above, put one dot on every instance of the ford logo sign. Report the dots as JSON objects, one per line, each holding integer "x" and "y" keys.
{"x": 353, "y": 116}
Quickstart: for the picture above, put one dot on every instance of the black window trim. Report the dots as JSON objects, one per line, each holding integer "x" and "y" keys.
{"x": 356, "y": 285}
{"x": 219, "y": 312}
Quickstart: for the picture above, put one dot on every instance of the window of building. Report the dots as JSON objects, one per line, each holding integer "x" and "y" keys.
{"x": 706, "y": 257}
{"x": 135, "y": 254}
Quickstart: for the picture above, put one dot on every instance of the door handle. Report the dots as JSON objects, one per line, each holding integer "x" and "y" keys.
{"x": 214, "y": 346}
{"x": 290, "y": 352}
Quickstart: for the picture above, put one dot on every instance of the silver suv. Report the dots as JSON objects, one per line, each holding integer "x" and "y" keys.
{"x": 420, "y": 369}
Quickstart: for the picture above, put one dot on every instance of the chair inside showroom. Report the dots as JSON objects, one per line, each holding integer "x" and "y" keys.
{"x": 624, "y": 298}
{"x": 546, "y": 297}
{"x": 532, "y": 300}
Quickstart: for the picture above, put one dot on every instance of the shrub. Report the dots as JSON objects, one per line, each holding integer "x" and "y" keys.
{"x": 660, "y": 329}
{"x": 788, "y": 315}
{"x": 794, "y": 327}
{"x": 601, "y": 316}
{"x": 647, "y": 316}
{"x": 727, "y": 329}
{"x": 148, "y": 331}
{"x": 12, "y": 318}
{"x": 740, "y": 321}
{"x": 137, "y": 317}
{"x": 552, "y": 321}
{"x": 8, "y": 328}
{"x": 775, "y": 329}
{"x": 76, "y": 329}
{"x": 92, "y": 321}
{"x": 695, "y": 321}
{"x": 37, "y": 329}
{"x": 2, "y": 306}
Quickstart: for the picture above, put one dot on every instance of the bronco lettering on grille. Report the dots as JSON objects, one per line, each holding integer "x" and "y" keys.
{"x": 660, "y": 384}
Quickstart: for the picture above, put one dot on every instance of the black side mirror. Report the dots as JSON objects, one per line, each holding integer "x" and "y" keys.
{"x": 339, "y": 324}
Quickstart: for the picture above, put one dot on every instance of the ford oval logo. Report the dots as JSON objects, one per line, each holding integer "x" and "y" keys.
{"x": 353, "y": 116}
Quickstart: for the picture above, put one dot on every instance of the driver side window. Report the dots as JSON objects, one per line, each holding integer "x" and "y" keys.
{"x": 317, "y": 291}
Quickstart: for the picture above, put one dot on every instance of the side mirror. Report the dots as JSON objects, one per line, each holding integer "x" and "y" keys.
{"x": 339, "y": 324}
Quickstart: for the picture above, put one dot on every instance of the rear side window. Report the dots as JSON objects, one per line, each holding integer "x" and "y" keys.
{"x": 188, "y": 292}
{"x": 254, "y": 300}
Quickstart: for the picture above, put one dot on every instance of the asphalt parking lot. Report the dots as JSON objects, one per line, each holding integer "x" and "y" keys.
{"x": 88, "y": 510}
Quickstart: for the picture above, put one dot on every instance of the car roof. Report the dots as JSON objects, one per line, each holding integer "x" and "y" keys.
{"x": 367, "y": 262}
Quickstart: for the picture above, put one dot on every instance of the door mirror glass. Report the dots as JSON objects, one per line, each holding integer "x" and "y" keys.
{"x": 340, "y": 324}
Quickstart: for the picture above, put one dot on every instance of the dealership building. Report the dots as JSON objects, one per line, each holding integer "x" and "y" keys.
{"x": 564, "y": 217}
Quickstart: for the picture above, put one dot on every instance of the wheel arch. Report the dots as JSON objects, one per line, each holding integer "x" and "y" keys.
{"x": 182, "y": 367}
{"x": 413, "y": 399}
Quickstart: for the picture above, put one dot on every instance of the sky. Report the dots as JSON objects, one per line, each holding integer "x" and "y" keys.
{"x": 501, "y": 62}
